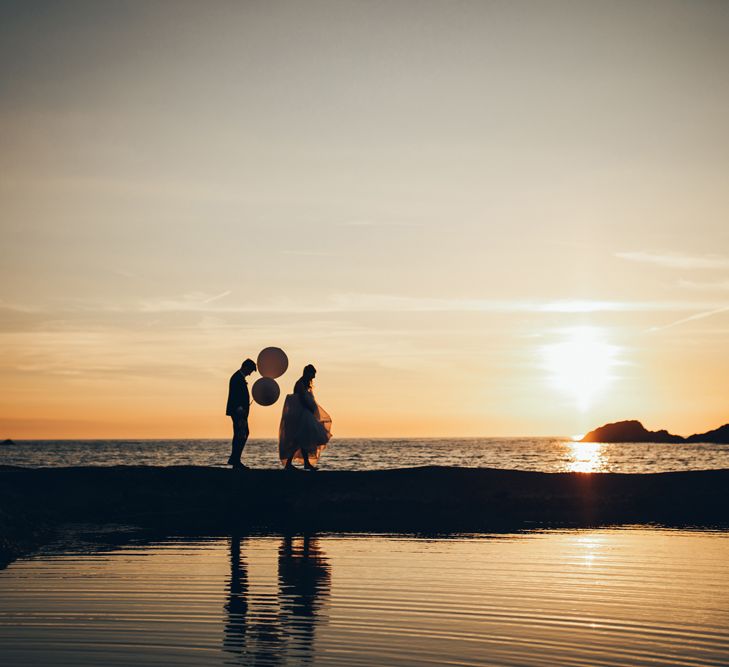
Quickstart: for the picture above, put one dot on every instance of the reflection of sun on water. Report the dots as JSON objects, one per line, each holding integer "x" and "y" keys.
{"x": 585, "y": 456}
{"x": 589, "y": 546}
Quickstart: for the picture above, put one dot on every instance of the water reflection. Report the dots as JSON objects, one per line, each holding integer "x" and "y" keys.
{"x": 237, "y": 605}
{"x": 277, "y": 628}
{"x": 578, "y": 598}
{"x": 585, "y": 457}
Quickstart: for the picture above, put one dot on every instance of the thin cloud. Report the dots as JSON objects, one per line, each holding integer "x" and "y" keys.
{"x": 588, "y": 306}
{"x": 378, "y": 223}
{"x": 190, "y": 302}
{"x": 216, "y": 297}
{"x": 676, "y": 260}
{"x": 691, "y": 318}
{"x": 720, "y": 286}
{"x": 307, "y": 253}
{"x": 125, "y": 274}
{"x": 19, "y": 307}
{"x": 342, "y": 303}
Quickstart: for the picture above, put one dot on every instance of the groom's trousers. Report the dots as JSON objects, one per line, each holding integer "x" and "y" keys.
{"x": 240, "y": 436}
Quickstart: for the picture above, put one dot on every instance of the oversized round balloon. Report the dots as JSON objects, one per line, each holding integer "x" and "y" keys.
{"x": 272, "y": 362}
{"x": 265, "y": 391}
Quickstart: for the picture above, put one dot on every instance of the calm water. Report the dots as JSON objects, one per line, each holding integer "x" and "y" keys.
{"x": 594, "y": 597}
{"x": 542, "y": 454}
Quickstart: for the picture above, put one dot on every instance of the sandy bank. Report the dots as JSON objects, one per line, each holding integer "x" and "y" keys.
{"x": 432, "y": 499}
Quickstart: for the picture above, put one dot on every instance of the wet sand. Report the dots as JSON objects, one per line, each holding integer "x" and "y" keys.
{"x": 35, "y": 501}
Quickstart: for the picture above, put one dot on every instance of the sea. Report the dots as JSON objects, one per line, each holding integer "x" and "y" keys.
{"x": 538, "y": 454}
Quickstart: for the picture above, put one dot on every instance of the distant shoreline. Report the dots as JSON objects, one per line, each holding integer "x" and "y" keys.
{"x": 565, "y": 438}
{"x": 388, "y": 438}
{"x": 36, "y": 502}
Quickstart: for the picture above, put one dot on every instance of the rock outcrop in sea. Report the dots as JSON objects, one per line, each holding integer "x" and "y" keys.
{"x": 719, "y": 436}
{"x": 632, "y": 430}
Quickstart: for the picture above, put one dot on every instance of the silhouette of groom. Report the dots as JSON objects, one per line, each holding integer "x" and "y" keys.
{"x": 238, "y": 407}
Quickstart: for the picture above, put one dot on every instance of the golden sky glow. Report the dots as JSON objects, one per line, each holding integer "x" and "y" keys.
{"x": 475, "y": 218}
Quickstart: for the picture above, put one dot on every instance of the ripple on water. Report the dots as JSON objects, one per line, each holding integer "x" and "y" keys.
{"x": 590, "y": 597}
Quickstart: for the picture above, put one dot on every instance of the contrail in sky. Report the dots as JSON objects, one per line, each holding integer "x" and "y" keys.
{"x": 690, "y": 318}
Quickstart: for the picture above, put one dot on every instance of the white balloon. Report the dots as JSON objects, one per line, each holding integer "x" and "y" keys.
{"x": 272, "y": 362}
{"x": 265, "y": 391}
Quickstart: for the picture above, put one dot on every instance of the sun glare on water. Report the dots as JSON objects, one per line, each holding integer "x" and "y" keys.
{"x": 581, "y": 365}
{"x": 585, "y": 456}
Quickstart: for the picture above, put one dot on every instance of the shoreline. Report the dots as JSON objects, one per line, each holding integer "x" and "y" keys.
{"x": 36, "y": 502}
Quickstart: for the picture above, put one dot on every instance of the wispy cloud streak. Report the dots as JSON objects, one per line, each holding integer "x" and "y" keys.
{"x": 216, "y": 297}
{"x": 676, "y": 260}
{"x": 308, "y": 253}
{"x": 691, "y": 318}
{"x": 720, "y": 286}
{"x": 190, "y": 302}
{"x": 378, "y": 223}
{"x": 342, "y": 303}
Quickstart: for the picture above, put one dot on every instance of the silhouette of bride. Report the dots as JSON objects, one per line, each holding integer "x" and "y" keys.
{"x": 304, "y": 579}
{"x": 305, "y": 426}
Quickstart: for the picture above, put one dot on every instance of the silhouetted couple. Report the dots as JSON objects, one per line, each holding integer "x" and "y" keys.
{"x": 305, "y": 426}
{"x": 281, "y": 623}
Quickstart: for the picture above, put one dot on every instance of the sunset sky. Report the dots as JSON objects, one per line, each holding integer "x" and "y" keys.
{"x": 475, "y": 218}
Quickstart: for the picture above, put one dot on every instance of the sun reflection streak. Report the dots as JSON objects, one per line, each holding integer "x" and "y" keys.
{"x": 590, "y": 547}
{"x": 585, "y": 456}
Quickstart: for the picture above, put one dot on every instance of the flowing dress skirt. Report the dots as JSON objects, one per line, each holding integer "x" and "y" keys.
{"x": 302, "y": 430}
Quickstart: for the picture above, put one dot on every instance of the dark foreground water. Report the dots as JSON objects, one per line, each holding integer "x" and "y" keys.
{"x": 540, "y": 454}
{"x": 592, "y": 597}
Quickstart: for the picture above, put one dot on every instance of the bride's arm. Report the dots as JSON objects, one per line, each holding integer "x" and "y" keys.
{"x": 307, "y": 399}
{"x": 305, "y": 396}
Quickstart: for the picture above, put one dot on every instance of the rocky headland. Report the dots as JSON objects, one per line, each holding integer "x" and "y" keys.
{"x": 633, "y": 431}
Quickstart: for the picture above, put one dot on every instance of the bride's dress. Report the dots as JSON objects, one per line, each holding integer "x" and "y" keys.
{"x": 302, "y": 429}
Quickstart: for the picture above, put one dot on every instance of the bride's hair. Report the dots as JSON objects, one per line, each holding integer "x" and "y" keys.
{"x": 308, "y": 374}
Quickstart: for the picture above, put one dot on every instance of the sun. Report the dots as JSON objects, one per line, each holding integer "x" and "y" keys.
{"x": 582, "y": 364}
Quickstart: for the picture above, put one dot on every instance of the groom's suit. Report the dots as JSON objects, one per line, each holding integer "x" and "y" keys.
{"x": 237, "y": 408}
